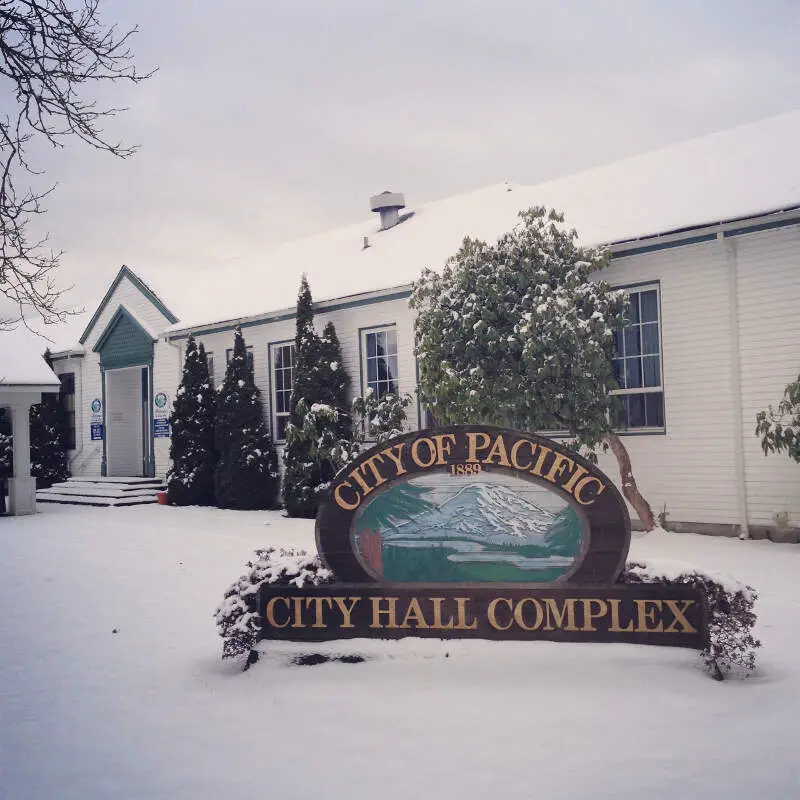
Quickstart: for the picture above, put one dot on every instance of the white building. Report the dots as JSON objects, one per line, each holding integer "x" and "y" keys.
{"x": 705, "y": 236}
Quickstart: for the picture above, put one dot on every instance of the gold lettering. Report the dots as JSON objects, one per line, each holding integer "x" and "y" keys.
{"x": 588, "y": 616}
{"x": 390, "y": 612}
{"x": 396, "y": 458}
{"x": 461, "y": 615}
{"x": 431, "y": 450}
{"x": 437, "y": 615}
{"x": 317, "y": 603}
{"x": 414, "y": 613}
{"x": 346, "y": 612}
{"x": 270, "y": 613}
{"x": 515, "y": 451}
{"x": 498, "y": 451}
{"x": 298, "y": 612}
{"x": 360, "y": 481}
{"x": 520, "y": 619}
{"x": 343, "y": 503}
{"x": 567, "y": 610}
{"x": 472, "y": 439}
{"x": 444, "y": 443}
{"x": 370, "y": 462}
{"x": 543, "y": 453}
{"x": 645, "y": 615}
{"x": 615, "y": 626}
{"x": 557, "y": 467}
{"x": 579, "y": 473}
{"x": 584, "y": 482}
{"x": 680, "y": 619}
{"x": 492, "y": 615}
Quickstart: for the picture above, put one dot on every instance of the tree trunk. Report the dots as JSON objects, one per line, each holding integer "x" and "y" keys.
{"x": 629, "y": 488}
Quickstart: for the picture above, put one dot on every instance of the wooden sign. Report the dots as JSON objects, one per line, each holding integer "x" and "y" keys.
{"x": 473, "y": 531}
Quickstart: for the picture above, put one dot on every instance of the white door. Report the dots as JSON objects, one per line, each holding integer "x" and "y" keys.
{"x": 124, "y": 437}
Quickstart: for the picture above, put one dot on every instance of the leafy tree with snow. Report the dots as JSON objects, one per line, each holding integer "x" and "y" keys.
{"x": 246, "y": 475}
{"x": 49, "y": 463}
{"x": 190, "y": 480}
{"x": 319, "y": 412}
{"x": 381, "y": 419}
{"x": 517, "y": 333}
{"x": 779, "y": 430}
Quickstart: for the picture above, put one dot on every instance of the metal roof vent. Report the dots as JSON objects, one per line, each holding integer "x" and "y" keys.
{"x": 388, "y": 204}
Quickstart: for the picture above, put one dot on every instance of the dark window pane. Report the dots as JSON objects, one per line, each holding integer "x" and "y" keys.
{"x": 392, "y": 368}
{"x": 619, "y": 371}
{"x": 650, "y": 338}
{"x": 636, "y": 416}
{"x": 654, "y": 408}
{"x": 67, "y": 383}
{"x": 279, "y": 358}
{"x": 391, "y": 341}
{"x": 633, "y": 373}
{"x": 619, "y": 348}
{"x": 282, "y": 423}
{"x": 383, "y": 369}
{"x": 619, "y": 412}
{"x": 372, "y": 345}
{"x": 372, "y": 370}
{"x": 649, "y": 302}
{"x": 632, "y": 341}
{"x": 633, "y": 308}
{"x": 380, "y": 343}
{"x": 652, "y": 372}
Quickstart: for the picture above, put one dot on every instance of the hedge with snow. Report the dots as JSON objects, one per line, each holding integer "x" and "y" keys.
{"x": 731, "y": 647}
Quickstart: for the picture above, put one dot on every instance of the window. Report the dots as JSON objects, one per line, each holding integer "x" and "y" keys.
{"x": 210, "y": 362}
{"x": 66, "y": 397}
{"x": 379, "y": 348}
{"x": 283, "y": 359}
{"x": 229, "y": 353}
{"x": 637, "y": 365}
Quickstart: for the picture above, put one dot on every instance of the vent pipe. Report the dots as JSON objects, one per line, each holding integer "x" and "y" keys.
{"x": 388, "y": 205}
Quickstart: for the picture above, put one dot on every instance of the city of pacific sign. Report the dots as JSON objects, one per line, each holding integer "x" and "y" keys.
{"x": 482, "y": 532}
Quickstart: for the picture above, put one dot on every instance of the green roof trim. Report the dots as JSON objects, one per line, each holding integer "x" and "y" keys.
{"x": 124, "y": 342}
{"x": 147, "y": 292}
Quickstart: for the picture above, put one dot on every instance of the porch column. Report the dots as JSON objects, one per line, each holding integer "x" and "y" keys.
{"x": 22, "y": 487}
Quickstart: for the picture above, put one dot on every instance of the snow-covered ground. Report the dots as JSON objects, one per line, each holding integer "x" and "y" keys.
{"x": 151, "y": 712}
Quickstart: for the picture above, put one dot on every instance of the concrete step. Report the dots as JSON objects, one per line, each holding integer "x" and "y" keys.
{"x": 102, "y": 492}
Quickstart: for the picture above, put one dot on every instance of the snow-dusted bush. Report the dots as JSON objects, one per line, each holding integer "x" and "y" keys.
{"x": 237, "y": 617}
{"x": 383, "y": 418}
{"x": 731, "y": 645}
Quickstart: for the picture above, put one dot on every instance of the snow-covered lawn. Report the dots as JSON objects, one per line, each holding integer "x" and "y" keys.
{"x": 151, "y": 711}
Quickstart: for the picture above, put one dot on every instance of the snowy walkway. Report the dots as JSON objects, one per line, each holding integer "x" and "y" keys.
{"x": 151, "y": 712}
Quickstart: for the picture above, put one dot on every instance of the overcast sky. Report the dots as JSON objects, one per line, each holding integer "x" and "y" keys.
{"x": 271, "y": 120}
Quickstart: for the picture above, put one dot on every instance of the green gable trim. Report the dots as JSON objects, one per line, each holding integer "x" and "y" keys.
{"x": 124, "y": 342}
{"x": 321, "y": 307}
{"x": 147, "y": 292}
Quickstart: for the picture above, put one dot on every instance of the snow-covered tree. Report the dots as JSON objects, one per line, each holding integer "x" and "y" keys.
{"x": 190, "y": 480}
{"x": 381, "y": 419}
{"x": 317, "y": 438}
{"x": 319, "y": 411}
{"x": 6, "y": 455}
{"x": 779, "y": 430}
{"x": 517, "y": 334}
{"x": 49, "y": 463}
{"x": 246, "y": 474}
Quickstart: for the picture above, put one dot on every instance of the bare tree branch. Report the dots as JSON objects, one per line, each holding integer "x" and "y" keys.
{"x": 50, "y": 51}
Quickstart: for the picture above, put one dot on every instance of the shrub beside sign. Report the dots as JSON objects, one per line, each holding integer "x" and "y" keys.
{"x": 478, "y": 532}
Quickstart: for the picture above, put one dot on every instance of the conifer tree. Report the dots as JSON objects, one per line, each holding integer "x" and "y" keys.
{"x": 319, "y": 404}
{"x": 49, "y": 462}
{"x": 246, "y": 475}
{"x": 190, "y": 480}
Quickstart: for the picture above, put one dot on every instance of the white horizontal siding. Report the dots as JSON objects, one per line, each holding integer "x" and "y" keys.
{"x": 769, "y": 336}
{"x": 690, "y": 469}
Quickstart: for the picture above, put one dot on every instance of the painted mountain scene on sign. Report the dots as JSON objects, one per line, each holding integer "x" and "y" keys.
{"x": 475, "y": 529}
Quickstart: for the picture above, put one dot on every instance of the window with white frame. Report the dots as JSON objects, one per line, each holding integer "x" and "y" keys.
{"x": 637, "y": 363}
{"x": 210, "y": 362}
{"x": 282, "y": 358}
{"x": 379, "y": 360}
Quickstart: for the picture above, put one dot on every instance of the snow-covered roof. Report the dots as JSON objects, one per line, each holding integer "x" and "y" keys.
{"x": 21, "y": 361}
{"x": 742, "y": 171}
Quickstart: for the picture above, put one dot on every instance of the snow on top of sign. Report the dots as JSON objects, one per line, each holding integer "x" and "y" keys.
{"x": 21, "y": 359}
{"x": 746, "y": 170}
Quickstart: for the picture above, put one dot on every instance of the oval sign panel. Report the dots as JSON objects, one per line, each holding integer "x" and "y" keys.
{"x": 473, "y": 504}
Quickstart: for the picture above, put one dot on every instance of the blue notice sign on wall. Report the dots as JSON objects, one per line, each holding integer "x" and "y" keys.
{"x": 96, "y": 431}
{"x": 160, "y": 428}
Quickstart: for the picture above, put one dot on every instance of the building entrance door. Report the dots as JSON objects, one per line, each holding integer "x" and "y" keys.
{"x": 126, "y": 411}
